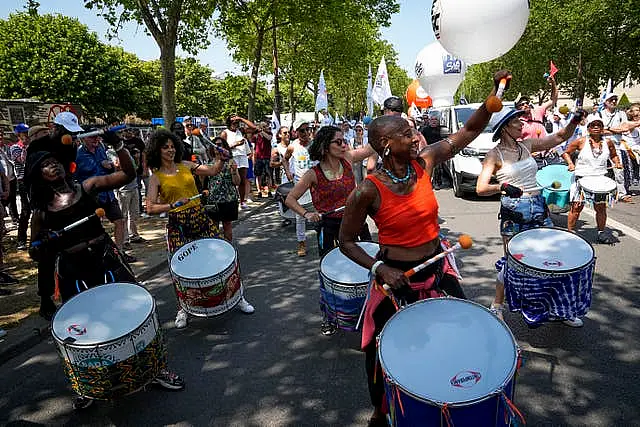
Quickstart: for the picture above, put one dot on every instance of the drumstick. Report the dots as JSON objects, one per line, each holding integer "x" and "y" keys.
{"x": 68, "y": 139}
{"x": 340, "y": 209}
{"x": 555, "y": 185}
{"x": 179, "y": 203}
{"x": 494, "y": 103}
{"x": 464, "y": 242}
{"x": 98, "y": 213}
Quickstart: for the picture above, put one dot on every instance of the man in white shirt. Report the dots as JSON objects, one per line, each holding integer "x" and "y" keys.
{"x": 240, "y": 150}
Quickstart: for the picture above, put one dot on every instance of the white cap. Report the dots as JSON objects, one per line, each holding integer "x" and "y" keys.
{"x": 299, "y": 122}
{"x": 68, "y": 120}
{"x": 594, "y": 118}
{"x": 609, "y": 96}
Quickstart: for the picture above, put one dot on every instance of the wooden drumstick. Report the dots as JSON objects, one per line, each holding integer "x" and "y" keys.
{"x": 494, "y": 103}
{"x": 204, "y": 193}
{"x": 464, "y": 242}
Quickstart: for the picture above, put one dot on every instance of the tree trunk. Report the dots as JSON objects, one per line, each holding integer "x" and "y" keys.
{"x": 255, "y": 69}
{"x": 277, "y": 98}
{"x": 168, "y": 67}
{"x": 292, "y": 99}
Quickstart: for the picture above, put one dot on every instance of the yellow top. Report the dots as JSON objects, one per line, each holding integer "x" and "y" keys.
{"x": 178, "y": 186}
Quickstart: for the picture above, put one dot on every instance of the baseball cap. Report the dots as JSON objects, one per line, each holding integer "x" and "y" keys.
{"x": 21, "y": 128}
{"x": 299, "y": 122}
{"x": 593, "y": 118}
{"x": 393, "y": 103}
{"x": 35, "y": 129}
{"x": 68, "y": 120}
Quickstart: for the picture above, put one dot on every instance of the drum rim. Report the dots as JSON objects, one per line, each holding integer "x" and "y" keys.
{"x": 461, "y": 403}
{"x": 613, "y": 190}
{"x": 338, "y": 249}
{"x": 565, "y": 271}
{"x": 551, "y": 189}
{"x": 235, "y": 257}
{"x": 83, "y": 346}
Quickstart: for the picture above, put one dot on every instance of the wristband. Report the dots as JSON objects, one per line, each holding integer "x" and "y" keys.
{"x": 304, "y": 215}
{"x": 375, "y": 266}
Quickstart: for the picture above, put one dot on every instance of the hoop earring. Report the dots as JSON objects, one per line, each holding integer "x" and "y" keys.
{"x": 386, "y": 152}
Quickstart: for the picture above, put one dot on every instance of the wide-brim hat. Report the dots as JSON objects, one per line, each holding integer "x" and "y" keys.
{"x": 497, "y": 129}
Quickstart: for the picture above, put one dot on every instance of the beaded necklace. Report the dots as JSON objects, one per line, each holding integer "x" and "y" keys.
{"x": 397, "y": 180}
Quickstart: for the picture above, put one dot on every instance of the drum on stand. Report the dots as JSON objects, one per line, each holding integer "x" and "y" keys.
{"x": 549, "y": 274}
{"x": 110, "y": 340}
{"x": 206, "y": 277}
{"x": 447, "y": 361}
{"x": 598, "y": 189}
{"x": 557, "y": 199}
{"x": 343, "y": 287}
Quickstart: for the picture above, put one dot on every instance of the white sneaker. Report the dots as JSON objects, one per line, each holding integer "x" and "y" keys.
{"x": 181, "y": 319}
{"x": 249, "y": 201}
{"x": 243, "y": 206}
{"x": 245, "y": 307}
{"x": 576, "y": 322}
{"x": 163, "y": 215}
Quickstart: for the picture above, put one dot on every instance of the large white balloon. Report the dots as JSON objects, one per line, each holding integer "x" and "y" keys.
{"x": 440, "y": 73}
{"x": 479, "y": 30}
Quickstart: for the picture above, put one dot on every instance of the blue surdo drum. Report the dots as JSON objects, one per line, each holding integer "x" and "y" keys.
{"x": 447, "y": 361}
{"x": 557, "y": 199}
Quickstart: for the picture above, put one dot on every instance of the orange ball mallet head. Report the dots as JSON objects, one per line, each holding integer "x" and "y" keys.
{"x": 100, "y": 213}
{"x": 464, "y": 242}
{"x": 196, "y": 132}
{"x": 67, "y": 139}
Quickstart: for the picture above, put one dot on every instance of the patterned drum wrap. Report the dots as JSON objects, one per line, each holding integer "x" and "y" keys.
{"x": 343, "y": 287}
{"x": 105, "y": 355}
{"x": 598, "y": 189}
{"x": 206, "y": 277}
{"x": 549, "y": 275}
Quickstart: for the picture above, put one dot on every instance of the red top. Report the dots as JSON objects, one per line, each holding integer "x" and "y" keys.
{"x": 329, "y": 195}
{"x": 262, "y": 147}
{"x": 408, "y": 220}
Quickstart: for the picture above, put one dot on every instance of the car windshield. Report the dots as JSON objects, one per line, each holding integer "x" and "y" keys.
{"x": 463, "y": 114}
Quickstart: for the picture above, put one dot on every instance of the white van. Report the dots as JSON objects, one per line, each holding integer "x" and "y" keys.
{"x": 465, "y": 167}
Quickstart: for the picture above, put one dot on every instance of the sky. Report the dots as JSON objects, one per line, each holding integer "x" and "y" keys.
{"x": 409, "y": 32}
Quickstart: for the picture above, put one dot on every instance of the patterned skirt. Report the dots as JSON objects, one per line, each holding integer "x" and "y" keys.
{"x": 188, "y": 225}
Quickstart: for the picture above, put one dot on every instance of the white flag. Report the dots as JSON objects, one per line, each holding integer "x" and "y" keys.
{"x": 381, "y": 89}
{"x": 603, "y": 95}
{"x": 369, "y": 94}
{"x": 414, "y": 111}
{"x": 322, "y": 103}
{"x": 275, "y": 127}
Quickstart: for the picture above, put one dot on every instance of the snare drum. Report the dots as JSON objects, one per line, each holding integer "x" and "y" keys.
{"x": 557, "y": 199}
{"x": 549, "y": 274}
{"x": 110, "y": 340}
{"x": 447, "y": 361}
{"x": 343, "y": 287}
{"x": 207, "y": 277}
{"x": 598, "y": 189}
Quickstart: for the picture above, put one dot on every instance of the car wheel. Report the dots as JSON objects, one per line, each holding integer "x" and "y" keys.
{"x": 456, "y": 180}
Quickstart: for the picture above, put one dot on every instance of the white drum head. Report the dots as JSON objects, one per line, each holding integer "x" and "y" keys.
{"x": 446, "y": 350}
{"x": 103, "y": 313}
{"x": 598, "y": 184}
{"x": 550, "y": 249}
{"x": 202, "y": 258}
{"x": 340, "y": 269}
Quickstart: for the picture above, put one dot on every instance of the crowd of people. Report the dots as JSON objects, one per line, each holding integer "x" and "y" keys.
{"x": 340, "y": 173}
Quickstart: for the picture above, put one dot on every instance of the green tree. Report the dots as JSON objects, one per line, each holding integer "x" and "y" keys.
{"x": 589, "y": 42}
{"x": 234, "y": 91}
{"x": 170, "y": 23}
{"x": 57, "y": 59}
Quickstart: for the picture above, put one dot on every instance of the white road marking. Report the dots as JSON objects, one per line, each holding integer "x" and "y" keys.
{"x": 612, "y": 223}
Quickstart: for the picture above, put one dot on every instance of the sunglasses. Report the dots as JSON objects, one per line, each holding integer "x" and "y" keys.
{"x": 339, "y": 142}
{"x": 358, "y": 130}
{"x": 285, "y": 133}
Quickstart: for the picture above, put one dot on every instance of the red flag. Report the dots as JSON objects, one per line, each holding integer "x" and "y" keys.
{"x": 552, "y": 69}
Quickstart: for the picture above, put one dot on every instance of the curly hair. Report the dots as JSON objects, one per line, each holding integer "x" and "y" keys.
{"x": 320, "y": 144}
{"x": 157, "y": 140}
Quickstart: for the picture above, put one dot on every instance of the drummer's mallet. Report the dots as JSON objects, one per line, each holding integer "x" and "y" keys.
{"x": 494, "y": 103}
{"x": 464, "y": 242}
{"x": 179, "y": 203}
{"x": 98, "y": 213}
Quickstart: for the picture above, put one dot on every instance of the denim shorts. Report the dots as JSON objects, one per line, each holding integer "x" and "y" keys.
{"x": 524, "y": 213}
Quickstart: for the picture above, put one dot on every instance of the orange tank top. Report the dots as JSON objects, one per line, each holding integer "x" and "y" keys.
{"x": 408, "y": 220}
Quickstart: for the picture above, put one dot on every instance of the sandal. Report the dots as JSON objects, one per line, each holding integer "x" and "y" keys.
{"x": 626, "y": 199}
{"x": 606, "y": 237}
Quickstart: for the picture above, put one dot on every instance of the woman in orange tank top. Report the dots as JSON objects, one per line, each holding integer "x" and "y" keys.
{"x": 400, "y": 199}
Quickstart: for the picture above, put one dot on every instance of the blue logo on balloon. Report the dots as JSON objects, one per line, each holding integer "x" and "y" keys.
{"x": 451, "y": 65}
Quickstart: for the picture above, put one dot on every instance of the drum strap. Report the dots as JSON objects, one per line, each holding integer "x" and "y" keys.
{"x": 511, "y": 411}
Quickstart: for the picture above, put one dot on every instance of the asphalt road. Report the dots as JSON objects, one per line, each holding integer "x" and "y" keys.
{"x": 274, "y": 368}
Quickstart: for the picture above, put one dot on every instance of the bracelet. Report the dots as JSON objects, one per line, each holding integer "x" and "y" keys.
{"x": 454, "y": 149}
{"x": 375, "y": 266}
{"x": 304, "y": 215}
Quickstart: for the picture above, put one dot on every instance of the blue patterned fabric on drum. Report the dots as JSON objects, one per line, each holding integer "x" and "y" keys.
{"x": 549, "y": 275}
